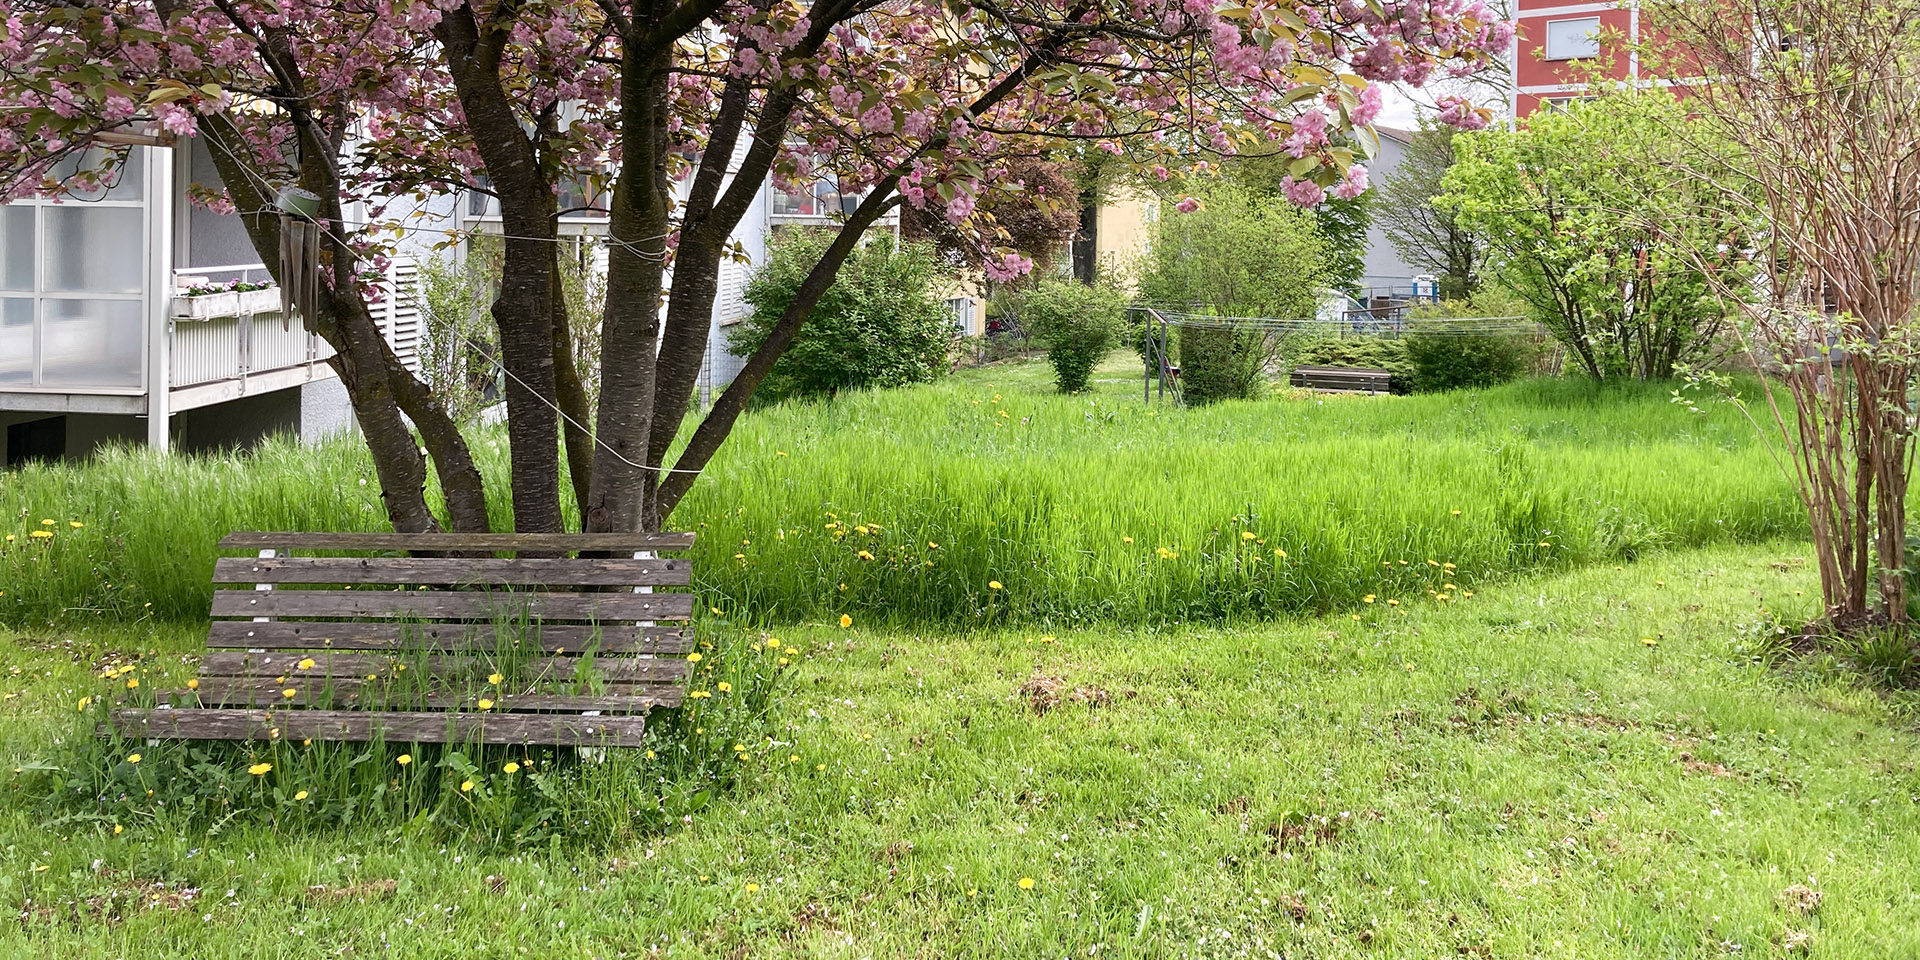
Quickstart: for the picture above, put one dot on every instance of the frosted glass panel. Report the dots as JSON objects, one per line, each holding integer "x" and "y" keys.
{"x": 94, "y": 249}
{"x": 16, "y": 340}
{"x": 90, "y": 343}
{"x": 16, "y": 248}
{"x": 126, "y": 181}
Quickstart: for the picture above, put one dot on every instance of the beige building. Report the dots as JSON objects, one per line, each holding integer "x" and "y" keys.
{"x": 1123, "y": 229}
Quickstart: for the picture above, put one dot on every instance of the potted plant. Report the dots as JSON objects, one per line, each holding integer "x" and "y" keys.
{"x": 199, "y": 299}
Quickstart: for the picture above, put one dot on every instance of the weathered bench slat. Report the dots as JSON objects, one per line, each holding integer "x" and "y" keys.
{"x": 440, "y": 605}
{"x": 361, "y": 726}
{"x": 616, "y": 572}
{"x": 447, "y": 637}
{"x": 236, "y": 663}
{"x": 539, "y": 542}
{"x": 262, "y": 692}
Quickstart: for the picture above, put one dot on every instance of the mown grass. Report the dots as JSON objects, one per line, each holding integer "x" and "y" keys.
{"x": 908, "y": 505}
{"x": 1518, "y": 774}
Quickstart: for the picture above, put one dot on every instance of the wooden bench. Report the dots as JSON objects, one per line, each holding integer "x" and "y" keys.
{"x": 562, "y": 643}
{"x": 1354, "y": 379}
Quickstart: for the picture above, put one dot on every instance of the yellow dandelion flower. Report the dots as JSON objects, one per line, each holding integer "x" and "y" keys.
{"x": 289, "y": 693}
{"x": 753, "y": 888}
{"x": 43, "y": 534}
{"x": 403, "y": 759}
{"x": 75, "y": 524}
{"x": 865, "y": 555}
{"x": 83, "y": 703}
{"x": 302, "y": 795}
{"x": 993, "y": 584}
{"x": 193, "y": 684}
{"x": 495, "y": 678}
{"x": 1649, "y": 641}
{"x": 793, "y": 758}
{"x": 1466, "y": 593}
{"x": 819, "y": 766}
{"x": 739, "y": 748}
{"x": 1367, "y": 599}
{"x": 1126, "y": 539}
{"x": 485, "y": 704}
{"x": 511, "y": 767}
{"x": 260, "y": 769}
{"x": 47, "y": 523}
{"x": 845, "y": 621}
{"x": 1026, "y": 883}
{"x": 305, "y": 663}
{"x": 784, "y": 661}
{"x": 1246, "y": 534}
{"x": 466, "y": 786}
{"x": 773, "y": 643}
{"x": 1393, "y": 603}
{"x": 694, "y": 658}
{"x": 117, "y": 828}
{"x": 1279, "y": 552}
{"x": 133, "y": 684}
{"x": 133, "y": 758}
{"x": 723, "y": 686}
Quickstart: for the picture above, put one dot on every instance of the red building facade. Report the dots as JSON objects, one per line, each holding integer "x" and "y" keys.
{"x": 1558, "y": 43}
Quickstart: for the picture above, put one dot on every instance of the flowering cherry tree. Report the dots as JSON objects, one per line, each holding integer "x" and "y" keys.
{"x": 686, "y": 107}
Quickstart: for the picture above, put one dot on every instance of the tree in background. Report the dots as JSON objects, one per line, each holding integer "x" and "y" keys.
{"x": 1234, "y": 255}
{"x": 877, "y": 325}
{"x": 1078, "y": 323}
{"x": 1426, "y": 236}
{"x": 1038, "y": 231}
{"x": 1606, "y": 255}
{"x": 1343, "y": 218}
{"x": 688, "y": 108}
{"x": 1809, "y": 134}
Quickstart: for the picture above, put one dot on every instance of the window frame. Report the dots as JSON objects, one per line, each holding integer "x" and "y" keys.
{"x": 150, "y": 182}
{"x": 1547, "y": 42}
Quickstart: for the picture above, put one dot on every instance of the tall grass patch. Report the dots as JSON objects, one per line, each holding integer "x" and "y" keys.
{"x": 971, "y": 503}
{"x": 910, "y": 505}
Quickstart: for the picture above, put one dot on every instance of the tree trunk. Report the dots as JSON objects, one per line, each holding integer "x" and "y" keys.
{"x": 1086, "y": 240}
{"x": 572, "y": 394}
{"x": 718, "y": 423}
{"x": 362, "y": 357}
{"x": 523, "y": 309}
{"x": 630, "y": 329}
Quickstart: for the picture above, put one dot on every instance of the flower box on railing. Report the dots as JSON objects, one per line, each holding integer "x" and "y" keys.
{"x": 226, "y": 303}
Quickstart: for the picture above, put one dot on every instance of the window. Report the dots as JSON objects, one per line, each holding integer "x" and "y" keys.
{"x": 822, "y": 198}
{"x": 1573, "y": 39}
{"x": 73, "y": 284}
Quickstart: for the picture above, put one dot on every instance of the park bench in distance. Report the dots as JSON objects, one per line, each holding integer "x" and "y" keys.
{"x": 318, "y": 647}
{"x": 1350, "y": 379}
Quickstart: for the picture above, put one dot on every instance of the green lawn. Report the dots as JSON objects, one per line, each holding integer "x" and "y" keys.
{"x": 1516, "y": 774}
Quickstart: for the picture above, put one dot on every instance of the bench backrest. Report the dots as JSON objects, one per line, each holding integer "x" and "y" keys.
{"x": 333, "y": 632}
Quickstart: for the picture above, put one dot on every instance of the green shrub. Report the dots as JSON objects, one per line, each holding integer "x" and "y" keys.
{"x": 1446, "y": 360}
{"x": 1380, "y": 353}
{"x": 1221, "y": 364}
{"x": 879, "y": 325}
{"x": 1078, "y": 323}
